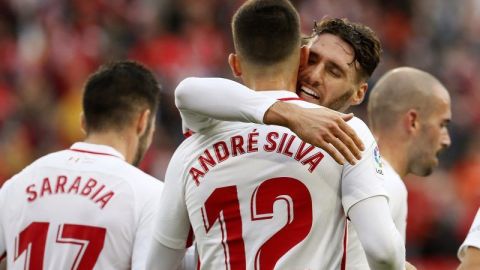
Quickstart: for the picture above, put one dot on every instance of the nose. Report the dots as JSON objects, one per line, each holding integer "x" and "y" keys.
{"x": 446, "y": 141}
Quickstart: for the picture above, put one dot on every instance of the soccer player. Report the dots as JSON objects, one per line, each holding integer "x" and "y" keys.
{"x": 89, "y": 206}
{"x": 469, "y": 251}
{"x": 408, "y": 111}
{"x": 256, "y": 196}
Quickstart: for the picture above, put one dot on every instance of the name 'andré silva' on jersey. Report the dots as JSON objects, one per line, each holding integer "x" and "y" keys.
{"x": 238, "y": 145}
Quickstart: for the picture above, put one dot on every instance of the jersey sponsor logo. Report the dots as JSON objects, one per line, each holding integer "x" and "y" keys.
{"x": 87, "y": 187}
{"x": 378, "y": 161}
{"x": 239, "y": 145}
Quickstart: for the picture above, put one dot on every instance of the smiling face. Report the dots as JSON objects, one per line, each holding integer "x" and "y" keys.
{"x": 331, "y": 78}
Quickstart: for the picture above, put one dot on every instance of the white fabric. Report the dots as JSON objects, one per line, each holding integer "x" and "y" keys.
{"x": 202, "y": 108}
{"x": 377, "y": 234}
{"x": 36, "y": 194}
{"x": 333, "y": 189}
{"x": 397, "y": 194}
{"x": 473, "y": 237}
{"x": 162, "y": 257}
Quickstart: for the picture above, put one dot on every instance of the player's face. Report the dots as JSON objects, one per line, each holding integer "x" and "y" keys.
{"x": 330, "y": 78}
{"x": 144, "y": 142}
{"x": 432, "y": 139}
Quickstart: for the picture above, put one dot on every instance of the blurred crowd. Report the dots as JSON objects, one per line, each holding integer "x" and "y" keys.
{"x": 48, "y": 48}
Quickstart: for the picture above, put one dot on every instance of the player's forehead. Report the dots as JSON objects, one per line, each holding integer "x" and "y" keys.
{"x": 333, "y": 47}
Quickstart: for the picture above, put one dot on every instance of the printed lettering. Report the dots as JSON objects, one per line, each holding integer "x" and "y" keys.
{"x": 314, "y": 160}
{"x": 282, "y": 143}
{"x": 61, "y": 181}
{"x": 196, "y": 174}
{"x": 272, "y": 144}
{"x": 221, "y": 151}
{"x": 46, "y": 187}
{"x": 88, "y": 187}
{"x": 286, "y": 151}
{"x": 105, "y": 199}
{"x": 31, "y": 192}
{"x": 301, "y": 153}
{"x": 252, "y": 142}
{"x": 237, "y": 145}
{"x": 206, "y": 160}
{"x": 75, "y": 186}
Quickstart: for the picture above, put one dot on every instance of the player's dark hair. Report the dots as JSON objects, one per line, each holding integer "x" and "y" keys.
{"x": 364, "y": 41}
{"x": 116, "y": 92}
{"x": 266, "y": 31}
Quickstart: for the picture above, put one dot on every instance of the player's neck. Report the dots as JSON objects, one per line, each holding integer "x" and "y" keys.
{"x": 117, "y": 140}
{"x": 262, "y": 83}
{"x": 280, "y": 77}
{"x": 392, "y": 151}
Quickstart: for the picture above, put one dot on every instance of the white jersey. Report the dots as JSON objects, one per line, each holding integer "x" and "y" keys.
{"x": 256, "y": 195}
{"x": 473, "y": 237}
{"x": 397, "y": 194}
{"x": 81, "y": 208}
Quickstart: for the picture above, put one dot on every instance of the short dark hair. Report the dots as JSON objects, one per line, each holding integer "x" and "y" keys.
{"x": 266, "y": 31}
{"x": 364, "y": 41}
{"x": 115, "y": 92}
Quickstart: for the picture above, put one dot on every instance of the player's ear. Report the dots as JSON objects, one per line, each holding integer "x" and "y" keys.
{"x": 410, "y": 121}
{"x": 83, "y": 123}
{"x": 235, "y": 66}
{"x": 360, "y": 94}
{"x": 142, "y": 122}
{"x": 304, "y": 52}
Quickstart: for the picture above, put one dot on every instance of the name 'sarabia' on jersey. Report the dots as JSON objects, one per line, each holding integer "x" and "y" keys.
{"x": 81, "y": 208}
{"x": 256, "y": 195}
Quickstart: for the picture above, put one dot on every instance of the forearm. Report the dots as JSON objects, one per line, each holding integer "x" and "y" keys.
{"x": 376, "y": 231}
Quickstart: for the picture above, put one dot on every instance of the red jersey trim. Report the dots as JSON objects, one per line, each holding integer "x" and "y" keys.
{"x": 93, "y": 153}
{"x": 190, "y": 238}
{"x": 188, "y": 134}
{"x": 290, "y": 98}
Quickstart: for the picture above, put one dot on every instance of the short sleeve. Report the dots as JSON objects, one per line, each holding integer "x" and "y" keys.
{"x": 473, "y": 237}
{"x": 173, "y": 225}
{"x": 364, "y": 179}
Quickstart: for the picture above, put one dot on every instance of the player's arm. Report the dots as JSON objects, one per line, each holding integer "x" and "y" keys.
{"x": 204, "y": 101}
{"x": 172, "y": 226}
{"x": 376, "y": 231}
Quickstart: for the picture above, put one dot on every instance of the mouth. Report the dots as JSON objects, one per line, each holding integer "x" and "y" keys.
{"x": 309, "y": 92}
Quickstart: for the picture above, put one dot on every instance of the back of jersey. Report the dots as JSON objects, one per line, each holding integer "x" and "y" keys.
{"x": 257, "y": 197}
{"x": 75, "y": 209}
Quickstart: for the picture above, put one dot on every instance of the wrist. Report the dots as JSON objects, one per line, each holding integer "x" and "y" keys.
{"x": 280, "y": 113}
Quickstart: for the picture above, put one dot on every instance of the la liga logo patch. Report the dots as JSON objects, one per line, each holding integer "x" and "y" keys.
{"x": 378, "y": 161}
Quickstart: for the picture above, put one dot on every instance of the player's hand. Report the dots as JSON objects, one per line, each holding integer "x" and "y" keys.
{"x": 408, "y": 266}
{"x": 322, "y": 127}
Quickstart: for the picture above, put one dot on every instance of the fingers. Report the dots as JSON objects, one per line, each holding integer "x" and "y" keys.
{"x": 346, "y": 152}
{"x": 332, "y": 152}
{"x": 348, "y": 130}
{"x": 346, "y": 117}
